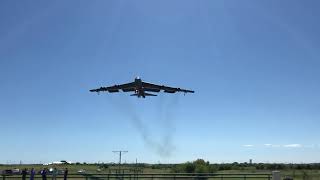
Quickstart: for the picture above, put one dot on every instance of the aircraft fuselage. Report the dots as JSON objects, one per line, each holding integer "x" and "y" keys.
{"x": 139, "y": 92}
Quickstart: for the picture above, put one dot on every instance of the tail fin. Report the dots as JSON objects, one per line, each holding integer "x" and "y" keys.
{"x": 147, "y": 94}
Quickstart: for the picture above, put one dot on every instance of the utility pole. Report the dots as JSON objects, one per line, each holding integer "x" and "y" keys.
{"x": 136, "y": 169}
{"x": 120, "y": 154}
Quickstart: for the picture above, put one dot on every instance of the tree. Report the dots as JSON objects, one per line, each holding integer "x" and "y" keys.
{"x": 189, "y": 167}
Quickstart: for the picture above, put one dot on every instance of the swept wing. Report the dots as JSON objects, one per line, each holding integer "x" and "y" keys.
{"x": 111, "y": 89}
{"x": 167, "y": 89}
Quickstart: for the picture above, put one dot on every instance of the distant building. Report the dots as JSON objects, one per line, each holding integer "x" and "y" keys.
{"x": 250, "y": 161}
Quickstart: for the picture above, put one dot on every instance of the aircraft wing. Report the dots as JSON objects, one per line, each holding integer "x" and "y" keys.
{"x": 167, "y": 89}
{"x": 111, "y": 89}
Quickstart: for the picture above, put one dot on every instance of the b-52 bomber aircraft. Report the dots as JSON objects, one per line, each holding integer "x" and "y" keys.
{"x": 140, "y": 88}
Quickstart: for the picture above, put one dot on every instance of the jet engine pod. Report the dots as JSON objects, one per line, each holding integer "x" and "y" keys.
{"x": 113, "y": 90}
{"x": 169, "y": 91}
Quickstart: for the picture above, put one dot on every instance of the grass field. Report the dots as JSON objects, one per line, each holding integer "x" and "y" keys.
{"x": 95, "y": 169}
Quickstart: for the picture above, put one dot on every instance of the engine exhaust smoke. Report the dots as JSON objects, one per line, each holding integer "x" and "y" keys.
{"x": 166, "y": 110}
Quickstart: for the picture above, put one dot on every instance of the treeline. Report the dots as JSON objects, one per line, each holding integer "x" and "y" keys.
{"x": 198, "y": 166}
{"x": 202, "y": 166}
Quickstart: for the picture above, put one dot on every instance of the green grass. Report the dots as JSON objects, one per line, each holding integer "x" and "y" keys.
{"x": 295, "y": 174}
{"x": 92, "y": 169}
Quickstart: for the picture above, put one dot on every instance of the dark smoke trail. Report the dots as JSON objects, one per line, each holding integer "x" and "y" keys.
{"x": 168, "y": 108}
{"x": 165, "y": 146}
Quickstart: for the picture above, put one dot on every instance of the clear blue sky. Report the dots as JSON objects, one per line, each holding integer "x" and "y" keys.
{"x": 253, "y": 64}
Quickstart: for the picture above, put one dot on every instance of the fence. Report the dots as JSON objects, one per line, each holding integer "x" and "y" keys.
{"x": 153, "y": 176}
